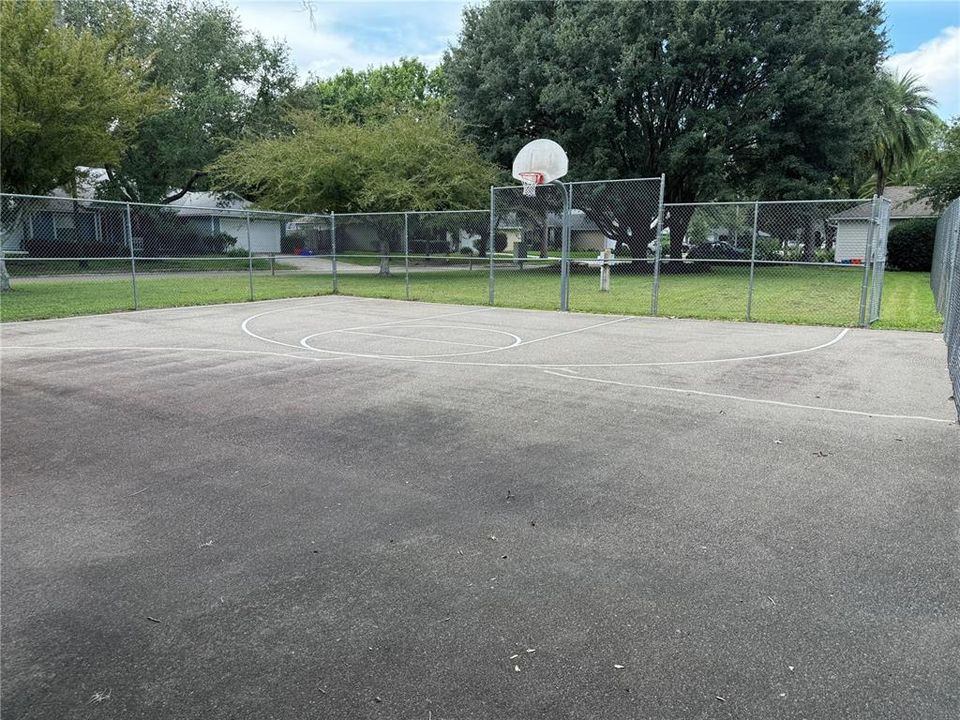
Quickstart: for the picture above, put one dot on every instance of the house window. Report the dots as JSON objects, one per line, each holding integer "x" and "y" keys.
{"x": 64, "y": 228}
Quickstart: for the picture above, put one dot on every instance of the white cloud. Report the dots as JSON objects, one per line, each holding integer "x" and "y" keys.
{"x": 937, "y": 62}
{"x": 353, "y": 34}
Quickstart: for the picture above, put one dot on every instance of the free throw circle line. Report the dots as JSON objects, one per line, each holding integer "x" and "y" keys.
{"x": 517, "y": 340}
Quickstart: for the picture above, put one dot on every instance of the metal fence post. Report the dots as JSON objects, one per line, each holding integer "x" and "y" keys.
{"x": 333, "y": 250}
{"x": 406, "y": 254}
{"x": 249, "y": 256}
{"x": 491, "y": 244}
{"x": 753, "y": 257}
{"x": 128, "y": 231}
{"x": 867, "y": 260}
{"x": 655, "y": 293}
{"x": 565, "y": 247}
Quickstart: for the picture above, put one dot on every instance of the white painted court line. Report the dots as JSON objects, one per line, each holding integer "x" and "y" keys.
{"x": 244, "y": 326}
{"x": 738, "y": 398}
{"x": 305, "y": 343}
{"x": 571, "y": 332}
{"x": 416, "y": 339}
{"x": 741, "y": 358}
{"x": 566, "y": 366}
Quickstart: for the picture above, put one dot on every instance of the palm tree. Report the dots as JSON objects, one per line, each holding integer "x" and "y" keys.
{"x": 904, "y": 125}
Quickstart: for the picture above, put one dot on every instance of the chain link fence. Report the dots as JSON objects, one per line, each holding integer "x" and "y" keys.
{"x": 525, "y": 256}
{"x": 815, "y": 262}
{"x": 787, "y": 261}
{"x": 614, "y": 227}
{"x": 945, "y": 283}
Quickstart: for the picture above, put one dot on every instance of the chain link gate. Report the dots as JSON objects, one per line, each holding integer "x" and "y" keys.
{"x": 945, "y": 283}
{"x": 878, "y": 259}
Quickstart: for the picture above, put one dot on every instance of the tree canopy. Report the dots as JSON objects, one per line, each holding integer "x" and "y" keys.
{"x": 69, "y": 98}
{"x": 359, "y": 95}
{"x": 942, "y": 178}
{"x": 718, "y": 95}
{"x": 409, "y": 161}
{"x": 726, "y": 98}
{"x": 222, "y": 82}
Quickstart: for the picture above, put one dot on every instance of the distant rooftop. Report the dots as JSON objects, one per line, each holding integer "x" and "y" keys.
{"x": 904, "y": 205}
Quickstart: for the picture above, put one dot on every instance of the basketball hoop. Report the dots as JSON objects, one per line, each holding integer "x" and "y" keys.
{"x": 530, "y": 181}
{"x": 539, "y": 162}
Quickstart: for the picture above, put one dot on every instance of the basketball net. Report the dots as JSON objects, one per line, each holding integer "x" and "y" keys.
{"x": 530, "y": 181}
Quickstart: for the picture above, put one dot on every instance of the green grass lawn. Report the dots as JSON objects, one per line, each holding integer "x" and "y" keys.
{"x": 798, "y": 295}
{"x": 18, "y": 267}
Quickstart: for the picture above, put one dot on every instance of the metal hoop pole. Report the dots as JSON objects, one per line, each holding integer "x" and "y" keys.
{"x": 490, "y": 243}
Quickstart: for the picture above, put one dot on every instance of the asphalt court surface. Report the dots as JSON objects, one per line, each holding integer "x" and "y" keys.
{"x": 345, "y": 507}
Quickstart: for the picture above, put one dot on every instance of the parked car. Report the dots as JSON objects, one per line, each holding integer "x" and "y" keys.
{"x": 720, "y": 250}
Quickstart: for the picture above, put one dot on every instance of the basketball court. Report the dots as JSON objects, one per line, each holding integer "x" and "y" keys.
{"x": 345, "y": 507}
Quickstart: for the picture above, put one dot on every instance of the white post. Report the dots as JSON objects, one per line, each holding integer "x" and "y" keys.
{"x": 605, "y": 271}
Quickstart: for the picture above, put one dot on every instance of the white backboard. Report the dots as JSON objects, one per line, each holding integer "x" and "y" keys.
{"x": 541, "y": 156}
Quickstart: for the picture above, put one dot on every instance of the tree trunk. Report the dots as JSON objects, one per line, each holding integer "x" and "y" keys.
{"x": 809, "y": 254}
{"x": 678, "y": 221}
{"x": 384, "y": 258}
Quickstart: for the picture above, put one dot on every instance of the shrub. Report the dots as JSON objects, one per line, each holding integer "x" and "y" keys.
{"x": 45, "y": 247}
{"x": 825, "y": 255}
{"x": 499, "y": 242}
{"x": 910, "y": 244}
{"x": 467, "y": 250}
{"x": 769, "y": 249}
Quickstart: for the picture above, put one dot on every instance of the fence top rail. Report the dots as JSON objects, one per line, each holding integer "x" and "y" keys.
{"x": 169, "y": 206}
{"x": 717, "y": 202}
{"x": 443, "y": 212}
{"x": 822, "y": 201}
{"x": 399, "y": 213}
{"x": 617, "y": 180}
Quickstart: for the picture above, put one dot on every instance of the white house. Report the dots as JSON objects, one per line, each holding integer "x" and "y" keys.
{"x": 853, "y": 224}
{"x": 227, "y": 213}
{"x": 62, "y": 218}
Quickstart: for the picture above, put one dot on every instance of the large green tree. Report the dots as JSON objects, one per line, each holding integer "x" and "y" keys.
{"x": 222, "y": 83}
{"x": 405, "y": 161}
{"x": 724, "y": 97}
{"x": 410, "y": 161}
{"x": 68, "y": 98}
{"x": 359, "y": 95}
{"x": 941, "y": 182}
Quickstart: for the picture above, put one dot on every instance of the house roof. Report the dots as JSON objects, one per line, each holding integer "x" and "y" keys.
{"x": 205, "y": 203}
{"x": 903, "y": 204}
{"x": 192, "y": 204}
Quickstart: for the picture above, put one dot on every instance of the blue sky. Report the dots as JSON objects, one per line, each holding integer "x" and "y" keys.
{"x": 924, "y": 35}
